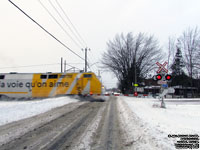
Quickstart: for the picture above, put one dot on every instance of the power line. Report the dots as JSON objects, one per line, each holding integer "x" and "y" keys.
{"x": 39, "y": 66}
{"x": 75, "y": 63}
{"x": 72, "y": 66}
{"x": 68, "y": 25}
{"x": 70, "y": 22}
{"x": 92, "y": 61}
{"x": 65, "y": 22}
{"x": 45, "y": 30}
{"x": 30, "y": 66}
{"x": 59, "y": 23}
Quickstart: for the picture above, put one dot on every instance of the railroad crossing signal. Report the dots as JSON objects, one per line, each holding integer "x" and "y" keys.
{"x": 167, "y": 77}
{"x": 162, "y": 67}
{"x": 158, "y": 77}
{"x": 135, "y": 94}
{"x": 162, "y": 72}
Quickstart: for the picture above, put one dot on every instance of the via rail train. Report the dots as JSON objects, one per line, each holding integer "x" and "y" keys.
{"x": 36, "y": 85}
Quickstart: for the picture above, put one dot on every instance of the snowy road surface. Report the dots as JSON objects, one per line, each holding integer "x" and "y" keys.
{"x": 80, "y": 125}
{"x": 118, "y": 123}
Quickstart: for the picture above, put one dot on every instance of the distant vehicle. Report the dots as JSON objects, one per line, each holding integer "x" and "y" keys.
{"x": 33, "y": 85}
{"x": 116, "y": 93}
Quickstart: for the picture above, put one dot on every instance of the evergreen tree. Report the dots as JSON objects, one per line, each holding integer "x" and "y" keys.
{"x": 179, "y": 77}
{"x": 177, "y": 66}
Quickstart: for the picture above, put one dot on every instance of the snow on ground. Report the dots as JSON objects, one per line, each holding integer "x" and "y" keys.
{"x": 176, "y": 119}
{"x": 16, "y": 110}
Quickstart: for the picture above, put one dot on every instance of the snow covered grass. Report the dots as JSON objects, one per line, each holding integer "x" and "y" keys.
{"x": 16, "y": 110}
{"x": 176, "y": 118}
{"x": 155, "y": 124}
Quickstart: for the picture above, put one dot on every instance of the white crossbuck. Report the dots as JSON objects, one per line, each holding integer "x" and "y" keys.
{"x": 162, "y": 67}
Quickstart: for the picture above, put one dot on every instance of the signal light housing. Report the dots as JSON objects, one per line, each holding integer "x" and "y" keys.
{"x": 168, "y": 77}
{"x": 158, "y": 77}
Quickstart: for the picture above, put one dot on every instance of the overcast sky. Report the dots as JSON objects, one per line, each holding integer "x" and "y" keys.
{"x": 22, "y": 43}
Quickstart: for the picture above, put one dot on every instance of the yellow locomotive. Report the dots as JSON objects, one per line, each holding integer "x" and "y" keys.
{"x": 33, "y": 85}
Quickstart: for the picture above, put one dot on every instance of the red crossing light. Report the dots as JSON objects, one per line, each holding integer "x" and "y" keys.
{"x": 135, "y": 94}
{"x": 158, "y": 77}
{"x": 168, "y": 77}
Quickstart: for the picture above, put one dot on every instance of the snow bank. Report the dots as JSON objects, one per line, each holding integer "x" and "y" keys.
{"x": 137, "y": 134}
{"x": 176, "y": 119}
{"x": 16, "y": 110}
{"x": 145, "y": 119}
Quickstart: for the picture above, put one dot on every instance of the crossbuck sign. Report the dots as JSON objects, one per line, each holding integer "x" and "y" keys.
{"x": 162, "y": 67}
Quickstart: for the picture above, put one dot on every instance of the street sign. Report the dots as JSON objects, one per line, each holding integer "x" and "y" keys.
{"x": 140, "y": 89}
{"x": 171, "y": 90}
{"x": 162, "y": 82}
{"x": 162, "y": 67}
{"x": 164, "y": 85}
{"x": 164, "y": 93}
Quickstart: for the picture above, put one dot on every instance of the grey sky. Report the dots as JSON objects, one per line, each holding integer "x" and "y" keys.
{"x": 23, "y": 43}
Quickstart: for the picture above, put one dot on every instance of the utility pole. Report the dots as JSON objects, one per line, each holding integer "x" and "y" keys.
{"x": 65, "y": 66}
{"x": 85, "y": 59}
{"x": 135, "y": 88}
{"x": 61, "y": 64}
{"x": 86, "y": 49}
{"x": 99, "y": 73}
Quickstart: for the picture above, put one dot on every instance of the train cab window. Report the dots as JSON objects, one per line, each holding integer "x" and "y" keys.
{"x": 87, "y": 76}
{"x": 69, "y": 76}
{"x": 53, "y": 76}
{"x": 62, "y": 76}
{"x": 2, "y": 76}
{"x": 43, "y": 76}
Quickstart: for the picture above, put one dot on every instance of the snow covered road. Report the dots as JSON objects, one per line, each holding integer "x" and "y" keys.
{"x": 80, "y": 125}
{"x": 119, "y": 123}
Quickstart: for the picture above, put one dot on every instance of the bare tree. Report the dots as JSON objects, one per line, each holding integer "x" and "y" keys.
{"x": 171, "y": 51}
{"x": 131, "y": 58}
{"x": 190, "y": 44}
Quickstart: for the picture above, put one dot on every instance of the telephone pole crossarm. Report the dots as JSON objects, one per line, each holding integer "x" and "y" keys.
{"x": 86, "y": 49}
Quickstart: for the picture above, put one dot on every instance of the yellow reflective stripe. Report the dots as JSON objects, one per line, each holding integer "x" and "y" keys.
{"x": 73, "y": 84}
{"x": 43, "y": 91}
{"x": 47, "y": 90}
{"x": 78, "y": 86}
{"x": 63, "y": 89}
